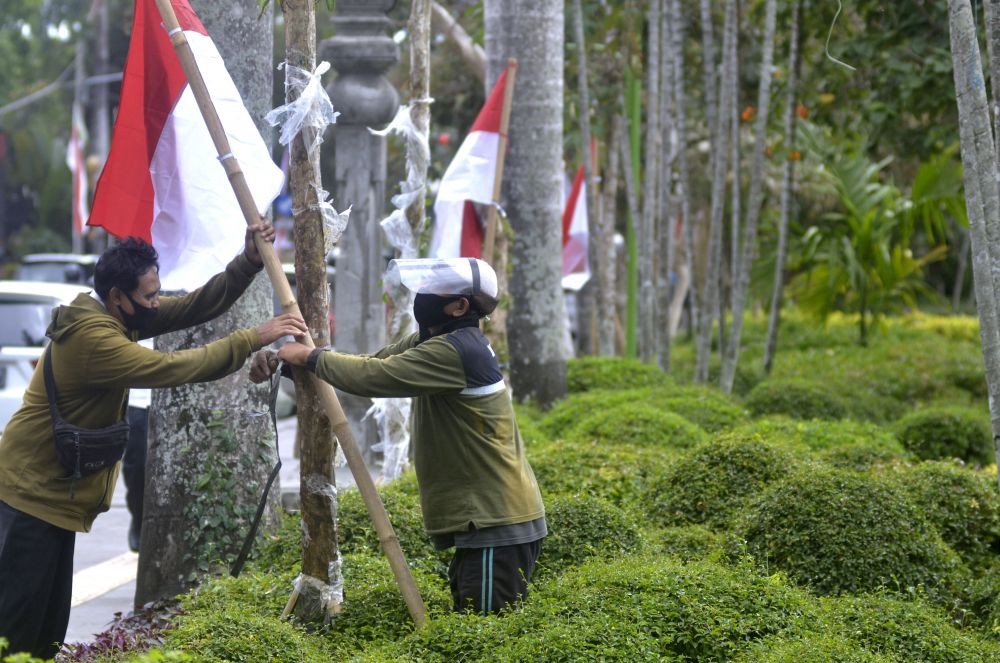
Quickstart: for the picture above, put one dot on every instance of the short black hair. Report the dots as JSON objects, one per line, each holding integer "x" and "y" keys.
{"x": 122, "y": 265}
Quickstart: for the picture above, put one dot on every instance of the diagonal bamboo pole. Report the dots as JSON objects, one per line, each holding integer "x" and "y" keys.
{"x": 328, "y": 398}
{"x": 491, "y": 215}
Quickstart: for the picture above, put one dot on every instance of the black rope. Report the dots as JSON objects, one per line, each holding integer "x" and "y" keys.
{"x": 241, "y": 559}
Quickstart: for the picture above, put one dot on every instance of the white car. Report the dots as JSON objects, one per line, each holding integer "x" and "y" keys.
{"x": 25, "y": 311}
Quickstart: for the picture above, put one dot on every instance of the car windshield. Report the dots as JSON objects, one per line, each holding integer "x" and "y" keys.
{"x": 24, "y": 323}
{"x": 53, "y": 272}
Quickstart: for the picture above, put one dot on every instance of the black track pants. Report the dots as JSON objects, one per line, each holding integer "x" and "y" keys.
{"x": 485, "y": 580}
{"x": 36, "y": 582}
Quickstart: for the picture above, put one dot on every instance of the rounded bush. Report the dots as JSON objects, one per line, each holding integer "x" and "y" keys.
{"x": 621, "y": 475}
{"x": 588, "y": 373}
{"x": 819, "y": 435}
{"x": 636, "y": 424}
{"x": 811, "y": 648}
{"x": 839, "y": 532}
{"x": 799, "y": 399}
{"x": 689, "y": 543}
{"x": 711, "y": 483}
{"x": 581, "y": 527}
{"x": 947, "y": 432}
{"x": 962, "y": 504}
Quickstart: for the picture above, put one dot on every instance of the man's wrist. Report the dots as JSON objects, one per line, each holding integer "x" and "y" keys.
{"x": 313, "y": 358}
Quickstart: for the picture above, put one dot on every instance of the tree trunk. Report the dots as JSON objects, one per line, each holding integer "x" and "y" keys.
{"x": 533, "y": 33}
{"x": 787, "y": 191}
{"x": 683, "y": 172}
{"x": 736, "y": 191}
{"x": 665, "y": 227}
{"x": 720, "y": 158}
{"x": 592, "y": 292}
{"x": 650, "y": 180}
{"x": 963, "y": 259}
{"x": 708, "y": 64}
{"x": 741, "y": 284}
{"x": 979, "y": 164}
{"x": 991, "y": 9}
{"x": 320, "y": 583}
{"x": 608, "y": 318}
{"x": 211, "y": 446}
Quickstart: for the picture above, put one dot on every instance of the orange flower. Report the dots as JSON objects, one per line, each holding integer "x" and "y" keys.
{"x": 794, "y": 155}
{"x": 747, "y": 114}
{"x": 802, "y": 111}
{"x": 769, "y": 150}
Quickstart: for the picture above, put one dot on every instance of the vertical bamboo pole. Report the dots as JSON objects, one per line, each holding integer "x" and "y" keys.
{"x": 328, "y": 398}
{"x": 491, "y": 215}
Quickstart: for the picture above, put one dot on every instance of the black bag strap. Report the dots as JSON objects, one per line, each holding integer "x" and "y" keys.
{"x": 241, "y": 559}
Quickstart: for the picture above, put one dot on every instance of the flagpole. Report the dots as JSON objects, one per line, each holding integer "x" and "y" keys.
{"x": 491, "y": 215}
{"x": 328, "y": 398}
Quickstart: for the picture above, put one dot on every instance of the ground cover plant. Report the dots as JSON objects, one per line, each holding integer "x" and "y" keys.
{"x": 748, "y": 536}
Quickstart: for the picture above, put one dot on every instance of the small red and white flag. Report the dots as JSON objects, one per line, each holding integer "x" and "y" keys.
{"x": 458, "y": 231}
{"x": 163, "y": 180}
{"x": 576, "y": 268}
{"x": 77, "y": 165}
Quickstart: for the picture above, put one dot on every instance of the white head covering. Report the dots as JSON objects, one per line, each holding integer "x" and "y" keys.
{"x": 444, "y": 276}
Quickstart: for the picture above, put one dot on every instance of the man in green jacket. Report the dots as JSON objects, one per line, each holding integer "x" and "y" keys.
{"x": 95, "y": 359}
{"x": 477, "y": 491}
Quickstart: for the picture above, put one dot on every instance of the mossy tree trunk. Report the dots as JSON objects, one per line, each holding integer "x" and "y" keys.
{"x": 321, "y": 583}
{"x": 211, "y": 445}
{"x": 982, "y": 198}
{"x": 533, "y": 32}
{"x": 650, "y": 198}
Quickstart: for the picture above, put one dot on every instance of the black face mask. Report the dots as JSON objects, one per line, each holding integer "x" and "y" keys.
{"x": 428, "y": 311}
{"x": 141, "y": 317}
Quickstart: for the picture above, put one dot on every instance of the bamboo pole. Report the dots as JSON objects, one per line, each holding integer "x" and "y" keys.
{"x": 491, "y": 215}
{"x": 328, "y": 398}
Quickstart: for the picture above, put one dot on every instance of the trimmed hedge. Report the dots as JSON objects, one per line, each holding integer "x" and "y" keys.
{"x": 811, "y": 648}
{"x": 799, "y": 399}
{"x": 948, "y": 432}
{"x": 589, "y": 373}
{"x": 689, "y": 543}
{"x": 839, "y": 532}
{"x": 637, "y": 424}
{"x": 711, "y": 483}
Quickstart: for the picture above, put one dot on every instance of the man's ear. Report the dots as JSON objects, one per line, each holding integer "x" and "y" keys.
{"x": 462, "y": 308}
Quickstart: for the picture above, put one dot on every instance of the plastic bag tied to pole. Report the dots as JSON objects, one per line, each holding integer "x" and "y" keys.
{"x": 309, "y": 114}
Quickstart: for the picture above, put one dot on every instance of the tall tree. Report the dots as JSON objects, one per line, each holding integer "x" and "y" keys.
{"x": 321, "y": 582}
{"x": 610, "y": 321}
{"x": 741, "y": 283}
{"x": 665, "y": 227}
{"x": 982, "y": 197}
{"x": 650, "y": 180}
{"x": 211, "y": 445}
{"x": 787, "y": 190}
{"x": 533, "y": 32}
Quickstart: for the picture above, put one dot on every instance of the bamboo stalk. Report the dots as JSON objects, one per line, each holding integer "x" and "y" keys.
{"x": 328, "y": 398}
{"x": 491, "y": 215}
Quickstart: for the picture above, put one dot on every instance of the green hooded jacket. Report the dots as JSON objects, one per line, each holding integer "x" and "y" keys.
{"x": 95, "y": 362}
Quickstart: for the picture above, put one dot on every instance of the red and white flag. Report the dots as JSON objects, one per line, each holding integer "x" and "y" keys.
{"x": 77, "y": 165}
{"x": 458, "y": 231}
{"x": 576, "y": 268}
{"x": 163, "y": 180}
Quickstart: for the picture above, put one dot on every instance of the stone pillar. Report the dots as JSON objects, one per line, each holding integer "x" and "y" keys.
{"x": 361, "y": 52}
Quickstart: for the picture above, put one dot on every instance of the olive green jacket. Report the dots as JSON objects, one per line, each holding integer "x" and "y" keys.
{"x": 467, "y": 450}
{"x": 95, "y": 361}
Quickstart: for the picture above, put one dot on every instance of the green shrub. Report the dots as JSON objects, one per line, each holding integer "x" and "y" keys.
{"x": 637, "y": 424}
{"x": 861, "y": 456}
{"x": 582, "y": 526}
{"x": 588, "y": 373}
{"x": 840, "y": 532}
{"x": 689, "y": 543}
{"x": 279, "y": 550}
{"x": 799, "y": 399}
{"x": 712, "y": 482}
{"x": 619, "y": 474}
{"x": 947, "y": 432}
{"x": 819, "y": 435}
{"x": 982, "y": 599}
{"x": 811, "y": 648}
{"x": 962, "y": 504}
{"x": 708, "y": 408}
{"x": 910, "y": 630}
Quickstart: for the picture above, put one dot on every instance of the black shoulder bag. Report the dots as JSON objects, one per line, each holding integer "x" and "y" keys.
{"x": 83, "y": 451}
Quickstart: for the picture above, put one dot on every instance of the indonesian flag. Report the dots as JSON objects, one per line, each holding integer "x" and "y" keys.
{"x": 163, "y": 180}
{"x": 78, "y": 166}
{"x": 458, "y": 231}
{"x": 576, "y": 269}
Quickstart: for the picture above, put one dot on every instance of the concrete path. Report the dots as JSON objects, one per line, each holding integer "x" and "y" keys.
{"x": 105, "y": 569}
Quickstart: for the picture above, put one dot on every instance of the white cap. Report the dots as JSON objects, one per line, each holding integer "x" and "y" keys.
{"x": 444, "y": 276}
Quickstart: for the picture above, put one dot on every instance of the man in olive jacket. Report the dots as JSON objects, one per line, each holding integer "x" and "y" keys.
{"x": 95, "y": 359}
{"x": 477, "y": 490}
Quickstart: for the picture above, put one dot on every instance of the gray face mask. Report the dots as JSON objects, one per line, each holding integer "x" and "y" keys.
{"x": 141, "y": 317}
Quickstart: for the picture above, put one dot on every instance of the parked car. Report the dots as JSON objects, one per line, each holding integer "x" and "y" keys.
{"x": 25, "y": 311}
{"x": 58, "y": 268}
